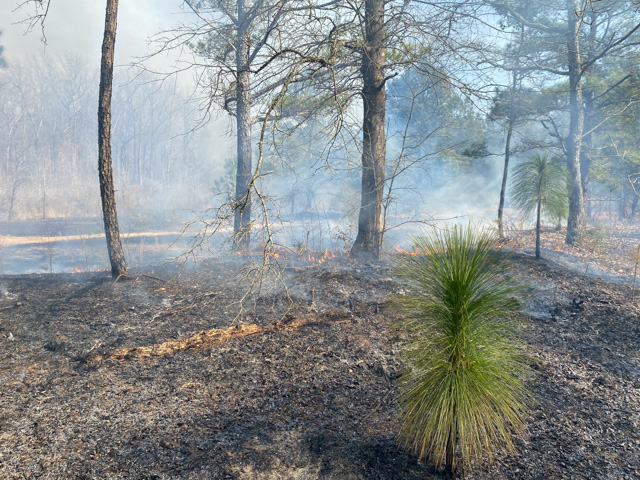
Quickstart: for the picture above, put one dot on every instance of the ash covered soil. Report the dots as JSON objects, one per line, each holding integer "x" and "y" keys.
{"x": 170, "y": 379}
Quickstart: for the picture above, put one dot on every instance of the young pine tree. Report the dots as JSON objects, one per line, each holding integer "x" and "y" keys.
{"x": 541, "y": 185}
{"x": 462, "y": 396}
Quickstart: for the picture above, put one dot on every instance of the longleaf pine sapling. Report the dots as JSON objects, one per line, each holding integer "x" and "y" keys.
{"x": 462, "y": 396}
{"x": 540, "y": 185}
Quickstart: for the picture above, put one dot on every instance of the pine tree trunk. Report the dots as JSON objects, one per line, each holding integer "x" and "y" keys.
{"x": 370, "y": 232}
{"x": 105, "y": 170}
{"x": 450, "y": 453}
{"x": 589, "y": 113}
{"x": 538, "y": 219}
{"x": 505, "y": 174}
{"x": 576, "y": 220}
{"x": 12, "y": 199}
{"x": 242, "y": 213}
{"x": 587, "y": 142}
{"x": 44, "y": 196}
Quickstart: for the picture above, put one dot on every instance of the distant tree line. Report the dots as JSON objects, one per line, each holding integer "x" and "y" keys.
{"x": 48, "y": 142}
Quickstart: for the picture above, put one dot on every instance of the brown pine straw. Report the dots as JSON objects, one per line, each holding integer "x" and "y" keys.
{"x": 210, "y": 338}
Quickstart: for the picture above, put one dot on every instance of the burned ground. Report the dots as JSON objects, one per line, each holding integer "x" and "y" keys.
{"x": 169, "y": 379}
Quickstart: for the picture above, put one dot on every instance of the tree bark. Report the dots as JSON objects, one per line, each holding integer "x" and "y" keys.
{"x": 505, "y": 174}
{"x": 587, "y": 143}
{"x": 589, "y": 112}
{"x": 242, "y": 212}
{"x": 507, "y": 149}
{"x": 576, "y": 220}
{"x": 370, "y": 232}
{"x": 538, "y": 224}
{"x": 105, "y": 169}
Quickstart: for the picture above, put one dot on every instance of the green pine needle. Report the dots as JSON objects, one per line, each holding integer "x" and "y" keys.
{"x": 463, "y": 391}
{"x": 541, "y": 179}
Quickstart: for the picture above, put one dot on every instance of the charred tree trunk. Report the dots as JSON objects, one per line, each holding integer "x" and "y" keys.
{"x": 576, "y": 220}
{"x": 105, "y": 170}
{"x": 505, "y": 174}
{"x": 370, "y": 231}
{"x": 242, "y": 212}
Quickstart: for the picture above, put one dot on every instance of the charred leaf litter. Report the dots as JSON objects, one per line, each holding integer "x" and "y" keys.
{"x": 166, "y": 377}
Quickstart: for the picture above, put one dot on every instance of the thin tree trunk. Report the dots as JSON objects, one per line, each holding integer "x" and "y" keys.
{"x": 587, "y": 143}
{"x": 105, "y": 170}
{"x": 589, "y": 111}
{"x": 449, "y": 463}
{"x": 505, "y": 174}
{"x": 634, "y": 207}
{"x": 450, "y": 454}
{"x": 507, "y": 146}
{"x": 44, "y": 196}
{"x": 242, "y": 214}
{"x": 370, "y": 232}
{"x": 538, "y": 215}
{"x": 12, "y": 199}
{"x": 576, "y": 220}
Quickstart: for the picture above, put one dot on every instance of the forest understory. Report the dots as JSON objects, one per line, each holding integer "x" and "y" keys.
{"x": 164, "y": 376}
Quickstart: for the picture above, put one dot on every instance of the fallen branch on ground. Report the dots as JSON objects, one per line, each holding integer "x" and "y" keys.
{"x": 210, "y": 338}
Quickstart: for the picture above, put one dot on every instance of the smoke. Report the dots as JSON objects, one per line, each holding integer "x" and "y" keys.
{"x": 76, "y": 26}
{"x": 164, "y": 171}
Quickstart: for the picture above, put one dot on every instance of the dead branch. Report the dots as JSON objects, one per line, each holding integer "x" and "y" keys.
{"x": 215, "y": 336}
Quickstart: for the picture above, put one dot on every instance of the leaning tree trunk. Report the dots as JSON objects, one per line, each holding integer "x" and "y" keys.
{"x": 105, "y": 170}
{"x": 576, "y": 220}
{"x": 370, "y": 231}
{"x": 242, "y": 210}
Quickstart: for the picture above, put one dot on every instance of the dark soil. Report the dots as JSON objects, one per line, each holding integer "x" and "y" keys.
{"x": 104, "y": 380}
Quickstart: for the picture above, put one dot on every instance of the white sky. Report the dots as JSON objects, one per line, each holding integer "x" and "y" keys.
{"x": 76, "y": 26}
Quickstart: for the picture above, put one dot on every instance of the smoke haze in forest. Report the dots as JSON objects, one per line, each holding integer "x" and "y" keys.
{"x": 445, "y": 129}
{"x": 77, "y": 26}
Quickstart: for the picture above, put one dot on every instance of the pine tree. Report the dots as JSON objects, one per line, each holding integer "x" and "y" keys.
{"x": 463, "y": 394}
{"x": 540, "y": 184}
